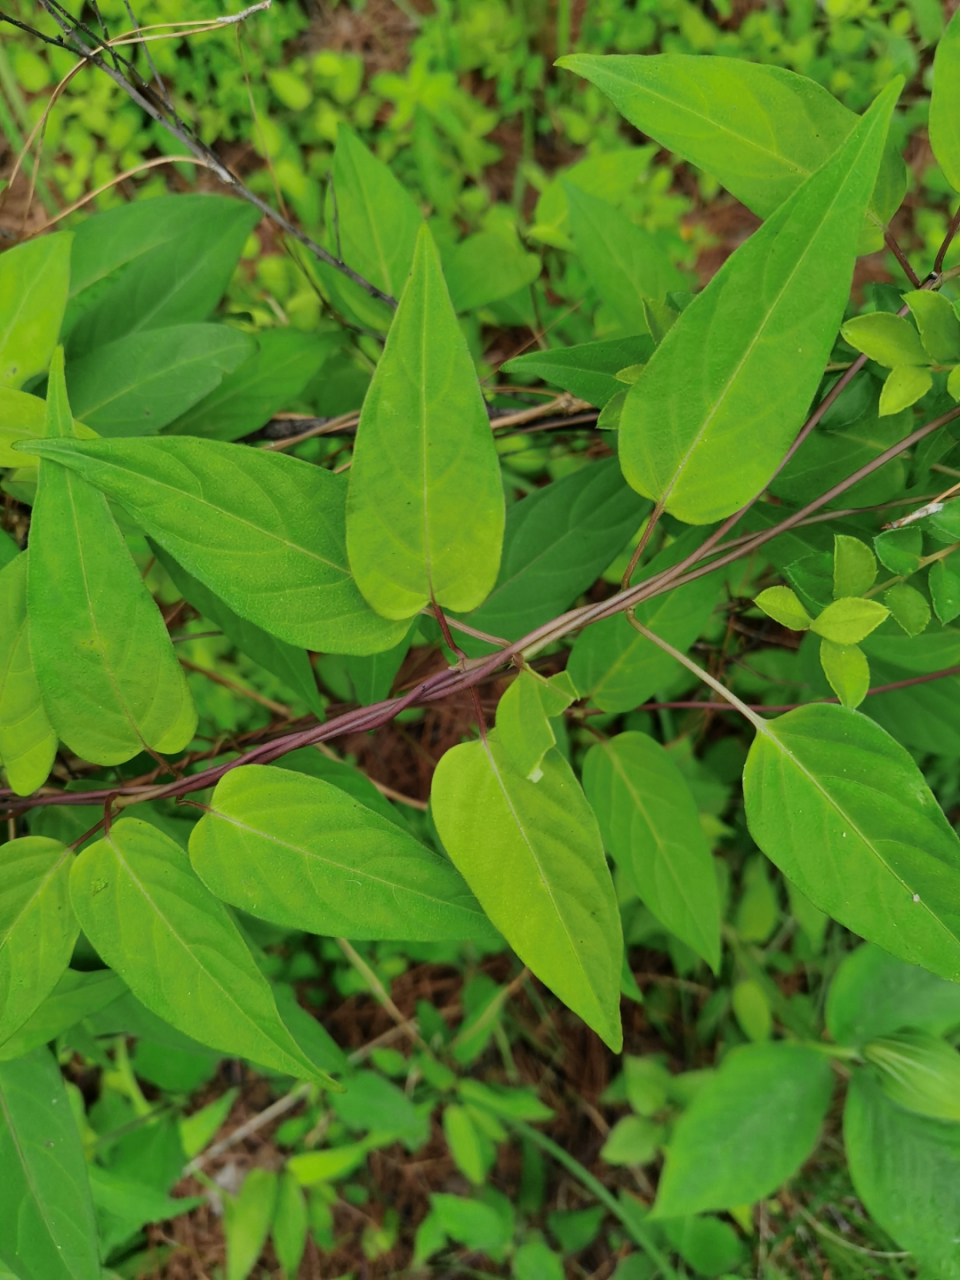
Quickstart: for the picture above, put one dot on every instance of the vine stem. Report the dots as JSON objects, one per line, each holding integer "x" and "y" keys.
{"x": 635, "y": 1228}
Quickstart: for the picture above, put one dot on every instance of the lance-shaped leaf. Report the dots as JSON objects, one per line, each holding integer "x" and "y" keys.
{"x": 761, "y": 130}
{"x": 749, "y": 351}
{"x": 300, "y": 852}
{"x": 751, "y": 1126}
{"x": 28, "y": 742}
{"x": 589, "y": 369}
{"x": 532, "y": 853}
{"x": 47, "y": 1225}
{"x": 290, "y": 664}
{"x": 152, "y": 920}
{"x": 425, "y": 511}
{"x": 37, "y": 926}
{"x": 904, "y": 1169}
{"x": 263, "y": 531}
{"x": 945, "y": 104}
{"x": 75, "y": 997}
{"x": 844, "y": 812}
{"x": 650, "y": 825}
{"x": 33, "y": 294}
{"x": 110, "y": 680}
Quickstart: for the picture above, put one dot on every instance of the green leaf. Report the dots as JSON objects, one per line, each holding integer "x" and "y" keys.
{"x": 904, "y": 1169}
{"x": 263, "y": 531}
{"x": 33, "y": 295}
{"x": 953, "y": 383}
{"x": 175, "y": 945}
{"x": 28, "y": 742}
{"x": 372, "y": 677}
{"x": 650, "y": 825}
{"x": 587, "y": 370}
{"x": 37, "y": 927}
{"x": 300, "y": 852}
{"x": 268, "y": 380}
{"x": 136, "y": 385}
{"x": 759, "y": 907}
{"x": 377, "y": 217}
{"x": 908, "y": 607}
{"x": 609, "y": 419}
{"x": 890, "y": 340}
{"x": 904, "y": 386}
{"x": 844, "y": 812}
{"x": 486, "y": 267}
{"x": 523, "y": 719}
{"x": 900, "y": 550}
{"x": 8, "y": 549}
{"x": 152, "y": 263}
{"x": 532, "y": 854}
{"x": 110, "y": 681}
{"x": 747, "y": 1130}
{"x": 623, "y": 262}
{"x": 247, "y": 1222}
{"x": 291, "y": 665}
{"x": 847, "y": 670}
{"x": 849, "y": 620}
{"x": 759, "y": 129}
{"x": 943, "y": 583}
{"x": 618, "y": 667}
{"x": 76, "y": 996}
{"x": 23, "y": 417}
{"x": 874, "y": 994}
{"x": 781, "y": 604}
{"x": 711, "y": 1247}
{"x": 751, "y": 1006}
{"x": 290, "y": 1219}
{"x": 424, "y": 441}
{"x": 751, "y": 347}
{"x": 854, "y": 567}
{"x": 944, "y": 125}
{"x": 633, "y": 1140}
{"x": 918, "y": 1071}
{"x": 465, "y": 1143}
{"x": 47, "y": 1226}
{"x": 938, "y": 323}
{"x": 556, "y": 544}
{"x": 311, "y": 761}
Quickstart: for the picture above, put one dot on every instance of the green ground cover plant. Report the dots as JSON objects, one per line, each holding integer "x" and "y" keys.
{"x": 659, "y": 636}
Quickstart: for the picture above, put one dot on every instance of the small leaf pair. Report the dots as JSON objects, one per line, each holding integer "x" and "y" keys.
{"x": 908, "y": 352}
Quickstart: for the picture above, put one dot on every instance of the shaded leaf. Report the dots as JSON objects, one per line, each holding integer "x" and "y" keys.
{"x": 945, "y": 104}
{"x": 587, "y": 370}
{"x": 75, "y": 996}
{"x": 28, "y": 742}
{"x": 874, "y": 994}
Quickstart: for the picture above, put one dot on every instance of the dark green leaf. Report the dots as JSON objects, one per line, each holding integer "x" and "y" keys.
{"x": 28, "y": 742}
{"x": 650, "y": 825}
{"x": 943, "y": 582}
{"x": 136, "y": 385}
{"x": 76, "y": 996}
{"x": 152, "y": 263}
{"x": 486, "y": 267}
{"x": 874, "y": 994}
{"x": 945, "y": 104}
{"x": 47, "y": 1227}
{"x": 300, "y": 852}
{"x": 587, "y": 370}
{"x": 899, "y": 550}
{"x": 750, "y": 1127}
{"x": 908, "y": 607}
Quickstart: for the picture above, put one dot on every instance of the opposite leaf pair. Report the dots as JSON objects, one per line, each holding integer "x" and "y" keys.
{"x": 910, "y": 353}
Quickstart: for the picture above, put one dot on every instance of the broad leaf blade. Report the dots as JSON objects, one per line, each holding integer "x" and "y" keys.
{"x": 874, "y": 994}
{"x": 844, "y": 812}
{"x": 152, "y": 263}
{"x": 37, "y": 927}
{"x": 47, "y": 1225}
{"x": 532, "y": 854}
{"x": 749, "y": 1128}
{"x": 33, "y": 295}
{"x": 302, "y": 853}
{"x": 268, "y": 380}
{"x": 76, "y": 996}
{"x": 749, "y": 350}
{"x": 761, "y": 130}
{"x": 175, "y": 945}
{"x": 291, "y": 665}
{"x": 904, "y": 1169}
{"x": 424, "y": 441}
{"x": 136, "y": 385}
{"x": 28, "y": 742}
{"x": 556, "y": 543}
{"x": 110, "y": 681}
{"x": 650, "y": 825}
{"x": 263, "y": 531}
{"x": 945, "y": 104}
